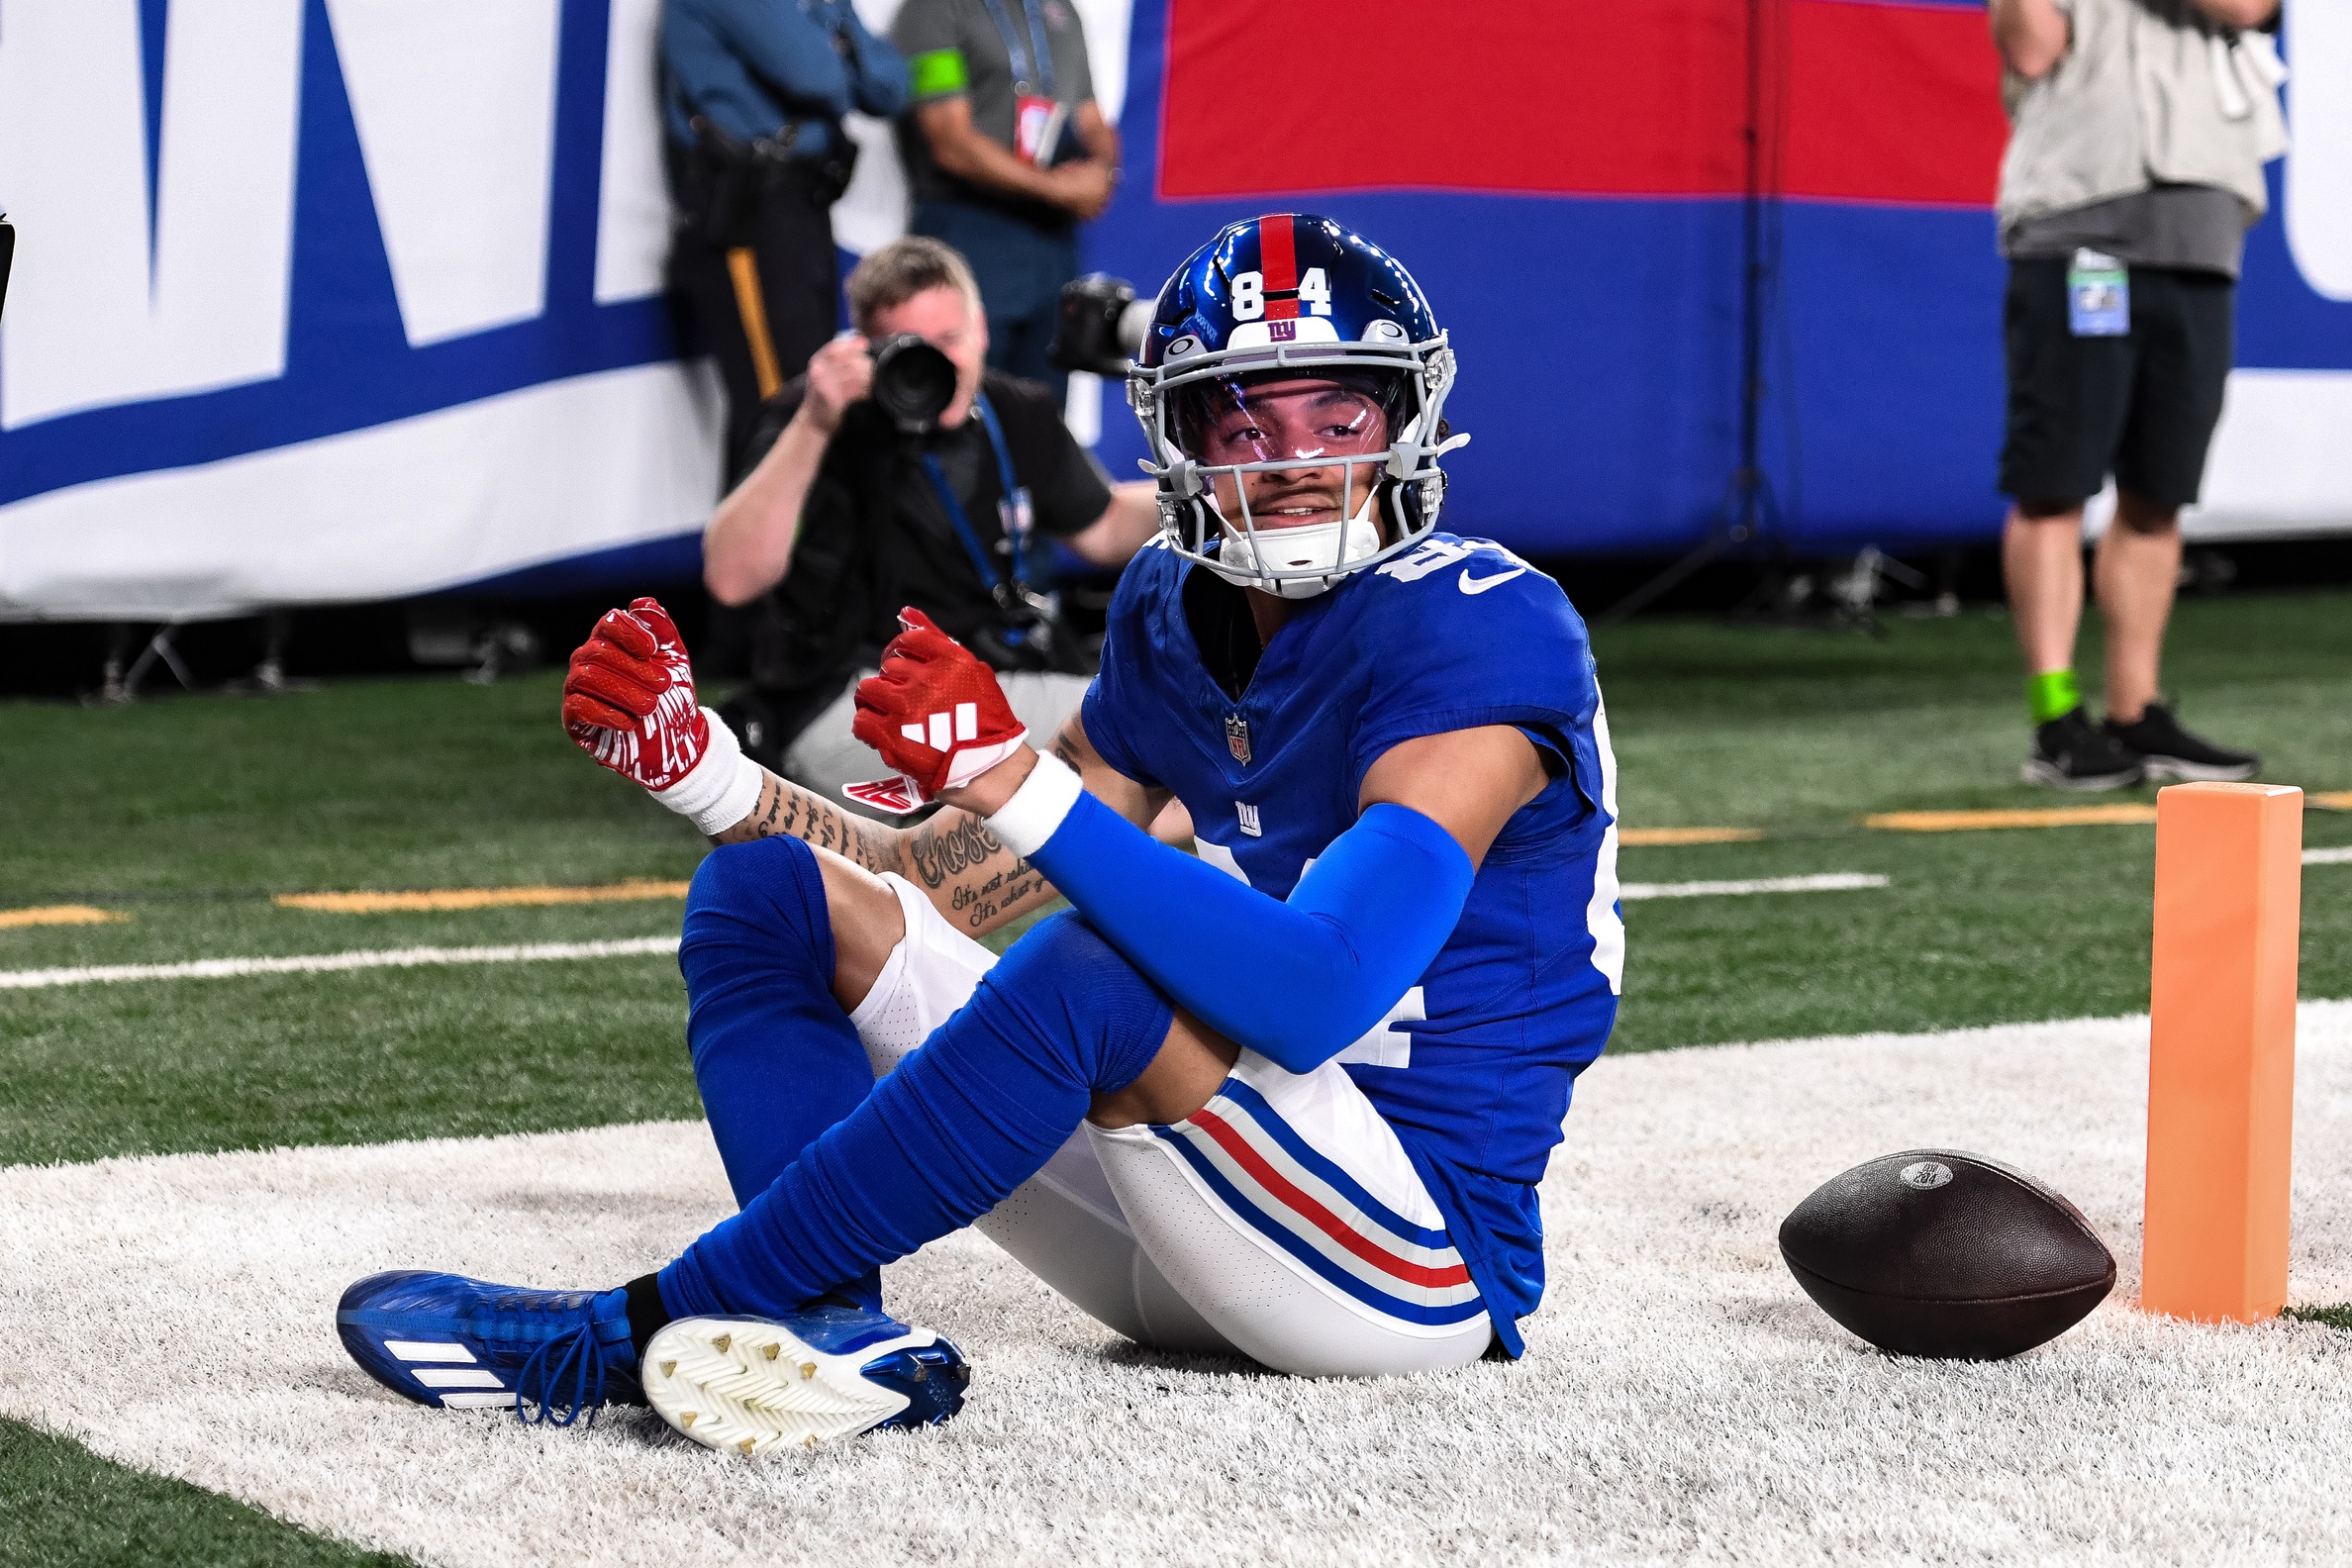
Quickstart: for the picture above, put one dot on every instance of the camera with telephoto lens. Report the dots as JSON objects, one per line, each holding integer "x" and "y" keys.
{"x": 1101, "y": 326}
{"x": 914, "y": 383}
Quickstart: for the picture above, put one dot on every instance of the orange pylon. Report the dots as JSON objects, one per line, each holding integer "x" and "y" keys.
{"x": 2222, "y": 1050}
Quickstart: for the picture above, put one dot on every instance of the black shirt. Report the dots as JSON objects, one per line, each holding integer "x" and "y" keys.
{"x": 874, "y": 536}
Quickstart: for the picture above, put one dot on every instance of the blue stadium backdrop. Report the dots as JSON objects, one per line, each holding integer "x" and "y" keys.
{"x": 323, "y": 300}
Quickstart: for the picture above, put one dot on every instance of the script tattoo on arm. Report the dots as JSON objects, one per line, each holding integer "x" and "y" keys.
{"x": 970, "y": 876}
{"x": 785, "y": 810}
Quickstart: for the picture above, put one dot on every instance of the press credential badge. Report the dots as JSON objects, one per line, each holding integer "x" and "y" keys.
{"x": 2098, "y": 296}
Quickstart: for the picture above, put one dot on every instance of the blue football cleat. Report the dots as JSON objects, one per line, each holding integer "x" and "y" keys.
{"x": 754, "y": 1384}
{"x": 460, "y": 1343}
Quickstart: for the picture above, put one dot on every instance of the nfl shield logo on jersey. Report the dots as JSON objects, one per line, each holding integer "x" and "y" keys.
{"x": 1237, "y": 738}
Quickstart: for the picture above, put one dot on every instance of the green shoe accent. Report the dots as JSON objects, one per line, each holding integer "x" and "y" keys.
{"x": 2052, "y": 695}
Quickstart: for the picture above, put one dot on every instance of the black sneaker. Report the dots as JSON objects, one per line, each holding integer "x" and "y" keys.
{"x": 2072, "y": 753}
{"x": 2172, "y": 752}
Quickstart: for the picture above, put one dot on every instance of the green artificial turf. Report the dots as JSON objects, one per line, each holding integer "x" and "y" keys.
{"x": 63, "y": 1505}
{"x": 1750, "y": 726}
{"x": 2339, "y": 1317}
{"x": 185, "y": 814}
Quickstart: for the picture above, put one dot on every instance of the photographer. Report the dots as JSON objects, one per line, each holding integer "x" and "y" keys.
{"x": 753, "y": 92}
{"x": 862, "y": 504}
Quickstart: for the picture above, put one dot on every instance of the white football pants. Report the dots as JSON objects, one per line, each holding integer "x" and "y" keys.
{"x": 1282, "y": 1221}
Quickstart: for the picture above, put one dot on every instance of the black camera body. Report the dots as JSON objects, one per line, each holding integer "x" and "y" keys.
{"x": 914, "y": 383}
{"x": 1102, "y": 324}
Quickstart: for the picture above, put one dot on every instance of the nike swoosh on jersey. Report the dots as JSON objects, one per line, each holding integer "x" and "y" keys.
{"x": 1478, "y": 585}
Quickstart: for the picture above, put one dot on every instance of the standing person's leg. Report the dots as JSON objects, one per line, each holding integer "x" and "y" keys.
{"x": 2041, "y": 565}
{"x": 2068, "y": 396}
{"x": 2187, "y": 323}
{"x": 2137, "y": 573}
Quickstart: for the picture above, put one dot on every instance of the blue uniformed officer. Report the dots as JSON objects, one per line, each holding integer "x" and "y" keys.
{"x": 753, "y": 92}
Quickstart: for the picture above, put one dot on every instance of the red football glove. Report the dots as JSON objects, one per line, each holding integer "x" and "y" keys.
{"x": 934, "y": 711}
{"x": 628, "y": 701}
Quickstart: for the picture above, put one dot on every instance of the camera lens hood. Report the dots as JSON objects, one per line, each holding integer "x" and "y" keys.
{"x": 914, "y": 382}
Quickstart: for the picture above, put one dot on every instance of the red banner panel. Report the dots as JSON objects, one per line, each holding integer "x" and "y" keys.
{"x": 1895, "y": 103}
{"x": 1573, "y": 97}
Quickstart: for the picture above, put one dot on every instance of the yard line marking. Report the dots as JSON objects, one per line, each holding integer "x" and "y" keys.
{"x": 58, "y": 915}
{"x": 317, "y": 963}
{"x": 2342, "y": 856}
{"x": 1636, "y": 837}
{"x": 2333, "y": 800}
{"x": 1825, "y": 882}
{"x": 2036, "y": 817}
{"x": 476, "y": 898}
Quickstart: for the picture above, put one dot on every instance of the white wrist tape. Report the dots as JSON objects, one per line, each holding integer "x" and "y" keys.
{"x": 720, "y": 788}
{"x": 1036, "y": 809}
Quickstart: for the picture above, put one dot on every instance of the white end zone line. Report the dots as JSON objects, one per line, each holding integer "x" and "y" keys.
{"x": 539, "y": 953}
{"x": 316, "y": 964}
{"x": 1826, "y": 882}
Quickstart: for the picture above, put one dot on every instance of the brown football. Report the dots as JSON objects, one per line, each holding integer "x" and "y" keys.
{"x": 1934, "y": 1252}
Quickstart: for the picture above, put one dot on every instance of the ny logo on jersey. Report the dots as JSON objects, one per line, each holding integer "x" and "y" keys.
{"x": 1249, "y": 820}
{"x": 1436, "y": 555}
{"x": 942, "y": 731}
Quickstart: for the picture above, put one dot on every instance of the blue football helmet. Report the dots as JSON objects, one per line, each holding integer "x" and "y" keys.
{"x": 1289, "y": 343}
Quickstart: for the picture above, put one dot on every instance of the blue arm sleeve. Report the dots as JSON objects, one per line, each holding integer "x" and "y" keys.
{"x": 1297, "y": 981}
{"x": 787, "y": 50}
{"x": 878, "y": 70}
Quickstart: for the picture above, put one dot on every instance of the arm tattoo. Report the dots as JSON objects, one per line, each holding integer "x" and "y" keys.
{"x": 942, "y": 850}
{"x": 788, "y": 811}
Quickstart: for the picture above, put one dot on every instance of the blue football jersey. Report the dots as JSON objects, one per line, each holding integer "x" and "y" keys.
{"x": 1475, "y": 1065}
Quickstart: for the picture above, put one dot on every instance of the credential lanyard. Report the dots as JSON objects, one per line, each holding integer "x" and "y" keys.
{"x": 1021, "y": 79}
{"x": 1013, "y": 509}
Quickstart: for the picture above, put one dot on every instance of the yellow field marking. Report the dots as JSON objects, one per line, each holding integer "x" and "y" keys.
{"x": 59, "y": 914}
{"x": 476, "y": 898}
{"x": 2333, "y": 800}
{"x": 1635, "y": 837}
{"x": 2040, "y": 816}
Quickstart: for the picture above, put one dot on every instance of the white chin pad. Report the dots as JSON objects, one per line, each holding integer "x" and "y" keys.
{"x": 1314, "y": 546}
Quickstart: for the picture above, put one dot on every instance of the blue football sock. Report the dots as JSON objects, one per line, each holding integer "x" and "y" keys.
{"x": 776, "y": 1059}
{"x": 944, "y": 1139}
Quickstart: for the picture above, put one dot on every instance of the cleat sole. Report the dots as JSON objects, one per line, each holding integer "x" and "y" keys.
{"x": 2180, "y": 770}
{"x": 756, "y": 1387}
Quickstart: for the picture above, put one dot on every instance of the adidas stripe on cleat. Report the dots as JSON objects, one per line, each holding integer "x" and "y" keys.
{"x": 753, "y": 1384}
{"x": 458, "y": 1343}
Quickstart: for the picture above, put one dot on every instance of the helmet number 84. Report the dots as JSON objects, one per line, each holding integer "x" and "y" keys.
{"x": 1249, "y": 294}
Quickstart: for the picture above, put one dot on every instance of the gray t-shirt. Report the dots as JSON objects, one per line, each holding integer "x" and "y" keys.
{"x": 955, "y": 48}
{"x": 2196, "y": 228}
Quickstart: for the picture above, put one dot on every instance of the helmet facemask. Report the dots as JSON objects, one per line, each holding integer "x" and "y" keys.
{"x": 1368, "y": 414}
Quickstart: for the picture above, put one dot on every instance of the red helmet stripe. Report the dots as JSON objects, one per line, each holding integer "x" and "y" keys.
{"x": 1278, "y": 259}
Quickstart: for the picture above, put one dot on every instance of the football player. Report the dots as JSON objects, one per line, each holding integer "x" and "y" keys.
{"x": 1288, "y": 1098}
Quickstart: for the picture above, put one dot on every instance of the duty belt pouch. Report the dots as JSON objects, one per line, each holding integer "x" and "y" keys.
{"x": 833, "y": 171}
{"x": 733, "y": 180}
